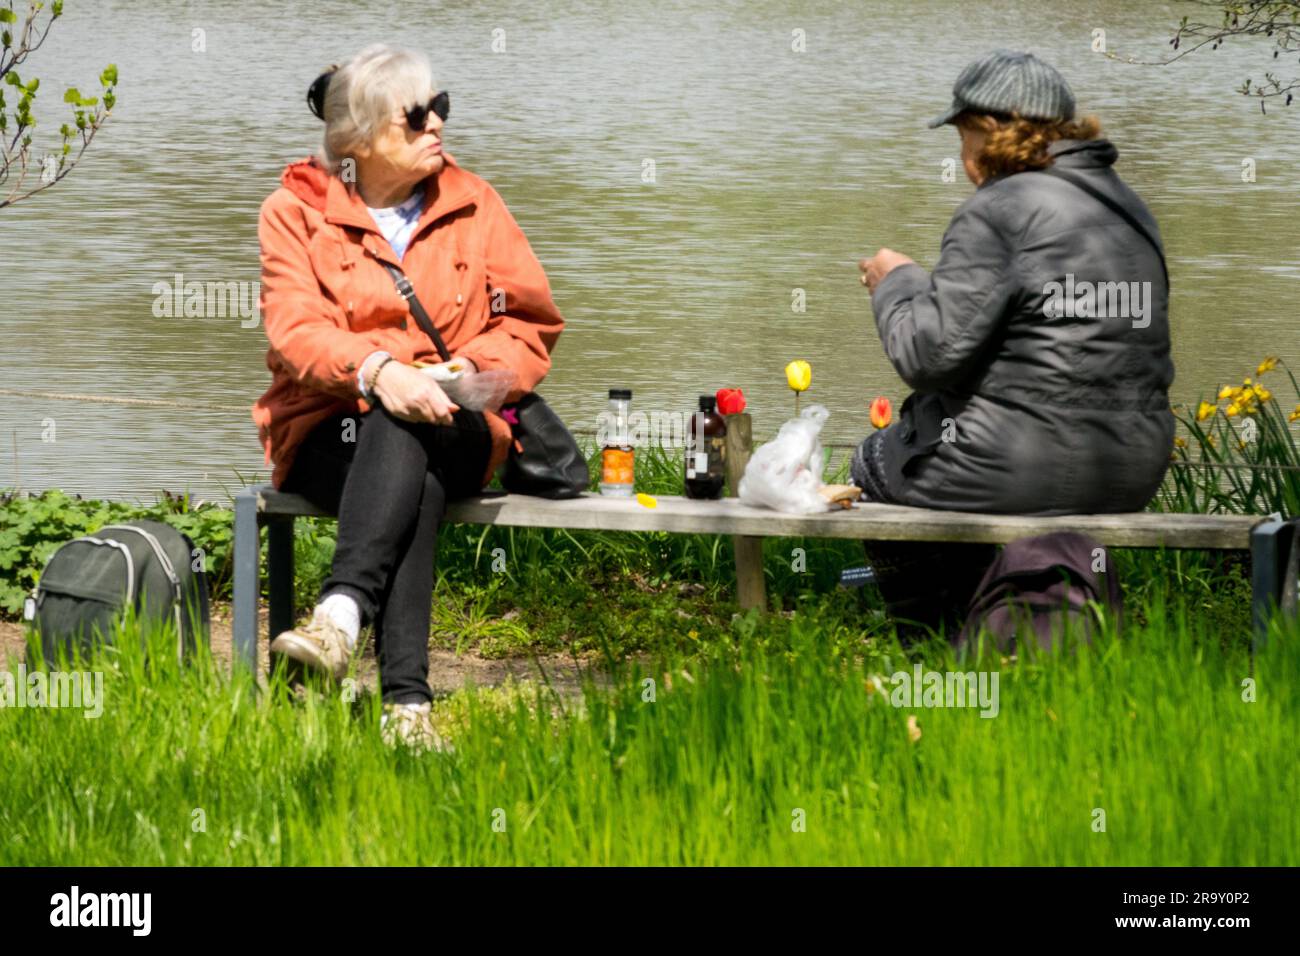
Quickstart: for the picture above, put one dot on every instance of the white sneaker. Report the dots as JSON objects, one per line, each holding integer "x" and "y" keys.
{"x": 320, "y": 645}
{"x": 411, "y": 726}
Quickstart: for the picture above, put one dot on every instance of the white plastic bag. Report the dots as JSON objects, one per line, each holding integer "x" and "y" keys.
{"x": 479, "y": 391}
{"x": 786, "y": 472}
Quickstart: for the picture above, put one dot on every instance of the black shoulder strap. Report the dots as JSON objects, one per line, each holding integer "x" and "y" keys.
{"x": 1114, "y": 207}
{"x": 408, "y": 293}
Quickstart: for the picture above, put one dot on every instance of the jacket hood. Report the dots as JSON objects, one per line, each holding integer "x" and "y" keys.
{"x": 1084, "y": 153}
{"x": 309, "y": 180}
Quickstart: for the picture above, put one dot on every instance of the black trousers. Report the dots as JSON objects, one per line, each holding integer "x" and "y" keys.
{"x": 926, "y": 585}
{"x": 389, "y": 481}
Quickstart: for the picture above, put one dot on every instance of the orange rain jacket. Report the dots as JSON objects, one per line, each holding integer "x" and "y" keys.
{"x": 327, "y": 301}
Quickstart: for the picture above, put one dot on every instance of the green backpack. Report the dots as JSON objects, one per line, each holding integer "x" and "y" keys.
{"x": 89, "y": 581}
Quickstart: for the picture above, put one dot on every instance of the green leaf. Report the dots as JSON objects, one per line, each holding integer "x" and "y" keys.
{"x": 109, "y": 100}
{"x": 7, "y": 16}
{"x": 12, "y": 78}
{"x": 33, "y": 85}
{"x": 109, "y": 76}
{"x": 73, "y": 95}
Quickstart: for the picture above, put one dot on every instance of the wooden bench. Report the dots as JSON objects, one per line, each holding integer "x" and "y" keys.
{"x": 1269, "y": 540}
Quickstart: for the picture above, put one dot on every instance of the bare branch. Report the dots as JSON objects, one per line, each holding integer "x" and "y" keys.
{"x": 1278, "y": 20}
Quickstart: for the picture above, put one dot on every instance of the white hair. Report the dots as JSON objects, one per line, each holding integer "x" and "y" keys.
{"x": 362, "y": 95}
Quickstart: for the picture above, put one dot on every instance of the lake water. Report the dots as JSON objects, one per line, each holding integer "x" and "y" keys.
{"x": 775, "y": 170}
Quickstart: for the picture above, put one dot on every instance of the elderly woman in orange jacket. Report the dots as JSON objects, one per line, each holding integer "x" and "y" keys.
{"x": 348, "y": 421}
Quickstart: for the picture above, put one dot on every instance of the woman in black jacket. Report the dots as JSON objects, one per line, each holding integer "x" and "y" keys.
{"x": 1038, "y": 348}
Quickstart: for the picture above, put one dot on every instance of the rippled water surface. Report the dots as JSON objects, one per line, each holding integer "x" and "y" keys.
{"x": 774, "y": 170}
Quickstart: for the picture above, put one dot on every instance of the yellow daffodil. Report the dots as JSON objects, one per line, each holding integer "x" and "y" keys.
{"x": 1209, "y": 440}
{"x": 1180, "y": 442}
{"x": 1294, "y": 416}
{"x": 1228, "y": 391}
{"x": 1262, "y": 393}
{"x": 1204, "y": 411}
{"x": 798, "y": 375}
{"x": 1267, "y": 365}
{"x": 1233, "y": 410}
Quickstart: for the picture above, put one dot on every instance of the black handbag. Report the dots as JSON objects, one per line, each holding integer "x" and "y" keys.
{"x": 544, "y": 459}
{"x": 917, "y": 433}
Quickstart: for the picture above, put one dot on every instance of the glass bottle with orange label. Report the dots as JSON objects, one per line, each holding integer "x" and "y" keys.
{"x": 617, "y": 464}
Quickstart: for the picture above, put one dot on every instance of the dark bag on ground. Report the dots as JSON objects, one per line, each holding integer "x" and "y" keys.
{"x": 89, "y": 581}
{"x": 1042, "y": 586}
{"x": 544, "y": 460}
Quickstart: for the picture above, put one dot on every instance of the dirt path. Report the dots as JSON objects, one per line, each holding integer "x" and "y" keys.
{"x": 448, "y": 671}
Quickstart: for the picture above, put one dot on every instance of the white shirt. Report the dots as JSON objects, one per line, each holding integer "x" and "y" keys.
{"x": 397, "y": 223}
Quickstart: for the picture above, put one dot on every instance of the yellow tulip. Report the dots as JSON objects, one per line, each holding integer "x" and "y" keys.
{"x": 1204, "y": 411}
{"x": 798, "y": 375}
{"x": 1267, "y": 365}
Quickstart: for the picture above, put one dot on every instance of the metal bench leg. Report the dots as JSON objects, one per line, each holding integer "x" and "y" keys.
{"x": 1271, "y": 566}
{"x": 279, "y": 561}
{"x": 751, "y": 588}
{"x": 247, "y": 582}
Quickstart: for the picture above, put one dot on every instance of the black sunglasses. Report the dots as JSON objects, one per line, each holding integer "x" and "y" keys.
{"x": 418, "y": 115}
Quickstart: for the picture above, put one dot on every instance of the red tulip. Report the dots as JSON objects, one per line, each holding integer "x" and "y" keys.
{"x": 881, "y": 411}
{"x": 731, "y": 401}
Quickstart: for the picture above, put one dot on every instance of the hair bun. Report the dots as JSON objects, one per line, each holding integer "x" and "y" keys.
{"x": 316, "y": 92}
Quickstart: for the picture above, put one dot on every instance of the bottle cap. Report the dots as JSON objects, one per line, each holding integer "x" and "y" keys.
{"x": 624, "y": 394}
{"x": 708, "y": 403}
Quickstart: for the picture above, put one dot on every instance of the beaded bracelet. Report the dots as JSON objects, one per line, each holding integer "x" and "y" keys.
{"x": 374, "y": 376}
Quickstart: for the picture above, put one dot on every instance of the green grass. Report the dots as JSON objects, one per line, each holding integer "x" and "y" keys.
{"x": 767, "y": 720}
{"x": 757, "y": 721}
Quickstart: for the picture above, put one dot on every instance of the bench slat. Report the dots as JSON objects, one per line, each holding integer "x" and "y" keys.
{"x": 864, "y": 521}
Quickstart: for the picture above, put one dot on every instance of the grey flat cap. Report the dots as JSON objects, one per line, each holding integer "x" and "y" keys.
{"x": 1007, "y": 82}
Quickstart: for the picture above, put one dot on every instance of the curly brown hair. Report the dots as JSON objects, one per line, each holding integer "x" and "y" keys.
{"x": 1014, "y": 144}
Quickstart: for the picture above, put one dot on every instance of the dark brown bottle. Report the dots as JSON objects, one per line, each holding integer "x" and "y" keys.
{"x": 706, "y": 451}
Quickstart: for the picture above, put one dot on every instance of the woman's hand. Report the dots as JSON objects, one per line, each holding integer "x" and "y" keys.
{"x": 411, "y": 395}
{"x": 880, "y": 265}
